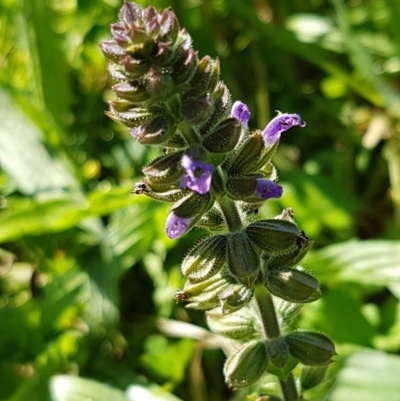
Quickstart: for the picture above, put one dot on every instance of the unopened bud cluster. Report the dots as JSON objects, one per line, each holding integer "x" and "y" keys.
{"x": 212, "y": 169}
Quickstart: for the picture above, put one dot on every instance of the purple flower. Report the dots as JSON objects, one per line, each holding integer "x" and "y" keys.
{"x": 266, "y": 189}
{"x": 176, "y": 226}
{"x": 282, "y": 122}
{"x": 241, "y": 112}
{"x": 198, "y": 175}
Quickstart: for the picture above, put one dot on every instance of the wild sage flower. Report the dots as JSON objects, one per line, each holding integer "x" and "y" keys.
{"x": 241, "y": 111}
{"x": 198, "y": 175}
{"x": 168, "y": 97}
{"x": 282, "y": 122}
{"x": 176, "y": 226}
{"x": 267, "y": 189}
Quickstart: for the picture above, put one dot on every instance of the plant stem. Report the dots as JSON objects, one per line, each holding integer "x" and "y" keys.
{"x": 231, "y": 214}
{"x": 263, "y": 297}
{"x": 272, "y": 330}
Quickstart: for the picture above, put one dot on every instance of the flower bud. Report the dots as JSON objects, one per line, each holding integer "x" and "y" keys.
{"x": 221, "y": 99}
{"x": 112, "y": 50}
{"x": 278, "y": 352}
{"x": 134, "y": 92}
{"x": 197, "y": 110}
{"x": 235, "y": 298}
{"x": 246, "y": 365}
{"x": 165, "y": 169}
{"x": 161, "y": 193}
{"x": 158, "y": 85}
{"x": 124, "y": 113}
{"x": 204, "y": 294}
{"x": 311, "y": 376}
{"x": 213, "y": 220}
{"x": 129, "y": 13}
{"x": 252, "y": 189}
{"x": 169, "y": 27}
{"x": 121, "y": 35}
{"x": 134, "y": 68}
{"x": 243, "y": 261}
{"x": 293, "y": 285}
{"x": 310, "y": 348}
{"x": 287, "y": 260}
{"x": 156, "y": 132}
{"x": 200, "y": 83}
{"x": 214, "y": 75}
{"x": 151, "y": 22}
{"x": 205, "y": 259}
{"x": 224, "y": 137}
{"x": 238, "y": 325}
{"x": 184, "y": 67}
{"x": 250, "y": 157}
{"x": 276, "y": 237}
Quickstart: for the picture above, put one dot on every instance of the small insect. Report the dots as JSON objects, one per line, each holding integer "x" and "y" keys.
{"x": 302, "y": 239}
{"x": 140, "y": 188}
{"x": 180, "y": 296}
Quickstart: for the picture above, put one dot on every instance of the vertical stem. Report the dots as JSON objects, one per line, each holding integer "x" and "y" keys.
{"x": 231, "y": 214}
{"x": 271, "y": 330}
{"x": 263, "y": 297}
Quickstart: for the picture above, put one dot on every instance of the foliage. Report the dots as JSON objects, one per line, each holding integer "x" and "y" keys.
{"x": 87, "y": 275}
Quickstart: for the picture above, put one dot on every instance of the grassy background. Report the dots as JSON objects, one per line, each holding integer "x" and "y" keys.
{"x": 87, "y": 275}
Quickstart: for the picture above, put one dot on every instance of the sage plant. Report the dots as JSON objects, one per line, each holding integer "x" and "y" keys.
{"x": 215, "y": 173}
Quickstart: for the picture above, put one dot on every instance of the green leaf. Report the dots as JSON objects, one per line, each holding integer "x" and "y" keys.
{"x": 339, "y": 316}
{"x": 372, "y": 262}
{"x": 23, "y": 155}
{"x": 165, "y": 360}
{"x": 367, "y": 375}
{"x": 68, "y": 388}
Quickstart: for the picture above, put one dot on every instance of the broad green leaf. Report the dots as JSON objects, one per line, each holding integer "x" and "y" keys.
{"x": 133, "y": 230}
{"x": 372, "y": 262}
{"x": 363, "y": 61}
{"x": 25, "y": 157}
{"x": 150, "y": 393}
{"x": 51, "y": 69}
{"x": 33, "y": 217}
{"x": 339, "y": 316}
{"x": 367, "y": 375}
{"x": 165, "y": 360}
{"x": 69, "y": 388}
{"x": 317, "y": 204}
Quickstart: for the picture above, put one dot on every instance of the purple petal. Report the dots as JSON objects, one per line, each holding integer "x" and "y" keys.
{"x": 282, "y": 122}
{"x": 198, "y": 175}
{"x": 241, "y": 112}
{"x": 176, "y": 226}
{"x": 266, "y": 189}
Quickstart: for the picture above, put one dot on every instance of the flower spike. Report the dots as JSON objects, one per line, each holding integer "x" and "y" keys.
{"x": 282, "y": 122}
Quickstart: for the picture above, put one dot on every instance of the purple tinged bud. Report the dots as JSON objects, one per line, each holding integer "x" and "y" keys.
{"x": 176, "y": 226}
{"x": 266, "y": 189}
{"x": 282, "y": 122}
{"x": 129, "y": 13}
{"x": 241, "y": 112}
{"x": 198, "y": 175}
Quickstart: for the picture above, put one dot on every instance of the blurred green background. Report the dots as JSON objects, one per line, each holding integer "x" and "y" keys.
{"x": 87, "y": 275}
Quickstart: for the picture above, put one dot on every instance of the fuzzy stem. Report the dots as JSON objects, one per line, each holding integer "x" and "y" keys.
{"x": 271, "y": 328}
{"x": 231, "y": 214}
